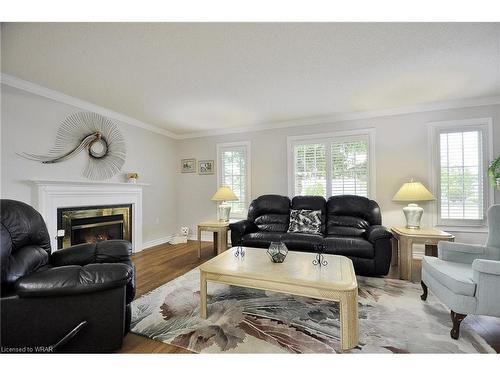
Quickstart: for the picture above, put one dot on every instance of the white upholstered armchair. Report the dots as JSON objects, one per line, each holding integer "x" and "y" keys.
{"x": 466, "y": 278}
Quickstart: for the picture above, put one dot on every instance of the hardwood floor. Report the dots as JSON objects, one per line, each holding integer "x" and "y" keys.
{"x": 160, "y": 264}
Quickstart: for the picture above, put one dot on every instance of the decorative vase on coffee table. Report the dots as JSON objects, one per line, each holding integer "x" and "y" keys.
{"x": 277, "y": 252}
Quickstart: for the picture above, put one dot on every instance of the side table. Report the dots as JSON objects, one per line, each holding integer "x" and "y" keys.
{"x": 404, "y": 238}
{"x": 220, "y": 229}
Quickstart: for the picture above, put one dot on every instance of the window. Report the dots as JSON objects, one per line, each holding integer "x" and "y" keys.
{"x": 461, "y": 154}
{"x": 331, "y": 164}
{"x": 350, "y": 167}
{"x": 233, "y": 170}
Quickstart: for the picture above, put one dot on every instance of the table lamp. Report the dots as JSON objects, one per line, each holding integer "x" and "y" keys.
{"x": 413, "y": 191}
{"x": 221, "y": 195}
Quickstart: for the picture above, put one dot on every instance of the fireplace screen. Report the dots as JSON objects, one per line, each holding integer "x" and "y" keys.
{"x": 93, "y": 224}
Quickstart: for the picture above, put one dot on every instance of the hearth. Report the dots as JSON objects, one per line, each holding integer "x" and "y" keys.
{"x": 91, "y": 224}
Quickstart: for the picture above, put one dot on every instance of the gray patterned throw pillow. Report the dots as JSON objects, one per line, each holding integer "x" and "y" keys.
{"x": 305, "y": 221}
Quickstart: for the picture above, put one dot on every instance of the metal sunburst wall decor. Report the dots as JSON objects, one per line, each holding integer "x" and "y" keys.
{"x": 94, "y": 133}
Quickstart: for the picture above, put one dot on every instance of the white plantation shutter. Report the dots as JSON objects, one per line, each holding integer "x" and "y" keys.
{"x": 350, "y": 167}
{"x": 461, "y": 177}
{"x": 233, "y": 172}
{"x": 310, "y": 169}
{"x": 331, "y": 166}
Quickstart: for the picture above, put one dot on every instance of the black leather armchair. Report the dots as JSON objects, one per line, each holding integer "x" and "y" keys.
{"x": 72, "y": 300}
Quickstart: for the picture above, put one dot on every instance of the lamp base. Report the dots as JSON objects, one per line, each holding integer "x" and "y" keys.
{"x": 413, "y": 214}
{"x": 223, "y": 212}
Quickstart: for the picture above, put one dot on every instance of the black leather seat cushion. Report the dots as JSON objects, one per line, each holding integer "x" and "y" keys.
{"x": 302, "y": 241}
{"x": 261, "y": 239}
{"x": 349, "y": 246}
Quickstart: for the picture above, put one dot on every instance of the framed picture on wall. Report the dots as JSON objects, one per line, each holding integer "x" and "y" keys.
{"x": 206, "y": 167}
{"x": 188, "y": 165}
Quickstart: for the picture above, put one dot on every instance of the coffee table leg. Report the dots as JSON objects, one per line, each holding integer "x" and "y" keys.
{"x": 349, "y": 329}
{"x": 203, "y": 295}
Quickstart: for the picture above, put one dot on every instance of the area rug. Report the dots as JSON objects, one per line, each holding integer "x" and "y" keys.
{"x": 392, "y": 319}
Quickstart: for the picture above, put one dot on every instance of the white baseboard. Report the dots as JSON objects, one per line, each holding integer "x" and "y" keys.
{"x": 158, "y": 241}
{"x": 208, "y": 237}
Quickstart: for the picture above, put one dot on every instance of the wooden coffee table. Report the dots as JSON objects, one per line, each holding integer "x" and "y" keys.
{"x": 296, "y": 275}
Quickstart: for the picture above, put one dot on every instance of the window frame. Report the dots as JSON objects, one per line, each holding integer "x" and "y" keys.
{"x": 220, "y": 147}
{"x": 485, "y": 125}
{"x": 327, "y": 139}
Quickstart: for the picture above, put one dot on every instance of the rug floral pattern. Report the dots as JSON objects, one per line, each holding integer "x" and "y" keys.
{"x": 392, "y": 319}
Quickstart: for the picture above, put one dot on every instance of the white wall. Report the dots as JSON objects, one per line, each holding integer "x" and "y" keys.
{"x": 402, "y": 151}
{"x": 29, "y": 124}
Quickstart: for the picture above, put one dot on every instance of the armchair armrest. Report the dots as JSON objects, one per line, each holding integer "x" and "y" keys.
{"x": 486, "y": 275}
{"x": 491, "y": 267}
{"x": 71, "y": 280}
{"x": 459, "y": 252}
{"x": 112, "y": 251}
{"x": 377, "y": 232}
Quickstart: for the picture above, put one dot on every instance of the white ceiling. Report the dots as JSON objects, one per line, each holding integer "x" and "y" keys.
{"x": 189, "y": 77}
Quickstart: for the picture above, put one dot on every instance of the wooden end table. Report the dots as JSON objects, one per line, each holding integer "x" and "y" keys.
{"x": 220, "y": 229}
{"x": 403, "y": 241}
{"x": 296, "y": 275}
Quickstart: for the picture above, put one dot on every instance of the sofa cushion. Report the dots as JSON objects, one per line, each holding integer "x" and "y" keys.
{"x": 261, "y": 239}
{"x": 346, "y": 226}
{"x": 305, "y": 221}
{"x": 311, "y": 202}
{"x": 351, "y": 215}
{"x": 349, "y": 246}
{"x": 302, "y": 241}
{"x": 270, "y": 213}
{"x": 455, "y": 276}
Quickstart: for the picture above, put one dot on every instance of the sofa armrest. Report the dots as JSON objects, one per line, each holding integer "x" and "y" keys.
{"x": 377, "y": 232}
{"x": 71, "y": 280}
{"x": 459, "y": 252}
{"x": 239, "y": 229}
{"x": 243, "y": 227}
{"x": 112, "y": 251}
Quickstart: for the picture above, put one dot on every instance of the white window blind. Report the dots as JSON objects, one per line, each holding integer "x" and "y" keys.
{"x": 350, "y": 167}
{"x": 331, "y": 166}
{"x": 461, "y": 175}
{"x": 233, "y": 172}
{"x": 310, "y": 169}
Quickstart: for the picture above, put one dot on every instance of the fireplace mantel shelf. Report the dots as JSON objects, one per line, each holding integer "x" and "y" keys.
{"x": 86, "y": 182}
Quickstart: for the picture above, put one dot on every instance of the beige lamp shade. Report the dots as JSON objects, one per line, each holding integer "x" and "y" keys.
{"x": 224, "y": 194}
{"x": 413, "y": 192}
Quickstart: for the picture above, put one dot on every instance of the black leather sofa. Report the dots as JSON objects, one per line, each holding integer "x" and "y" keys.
{"x": 350, "y": 226}
{"x": 72, "y": 300}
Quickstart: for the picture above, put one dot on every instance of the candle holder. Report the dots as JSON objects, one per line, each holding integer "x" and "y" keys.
{"x": 320, "y": 260}
{"x": 240, "y": 251}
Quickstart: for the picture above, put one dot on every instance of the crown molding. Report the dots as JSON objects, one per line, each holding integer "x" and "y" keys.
{"x": 33, "y": 88}
{"x": 21, "y": 84}
{"x": 426, "y": 107}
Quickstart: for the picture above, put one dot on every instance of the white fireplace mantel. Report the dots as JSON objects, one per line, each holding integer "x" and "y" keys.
{"x": 49, "y": 195}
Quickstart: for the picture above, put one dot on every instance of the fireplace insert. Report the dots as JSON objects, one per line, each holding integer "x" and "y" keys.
{"x": 92, "y": 224}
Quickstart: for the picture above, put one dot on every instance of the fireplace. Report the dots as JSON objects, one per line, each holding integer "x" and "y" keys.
{"x": 91, "y": 224}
